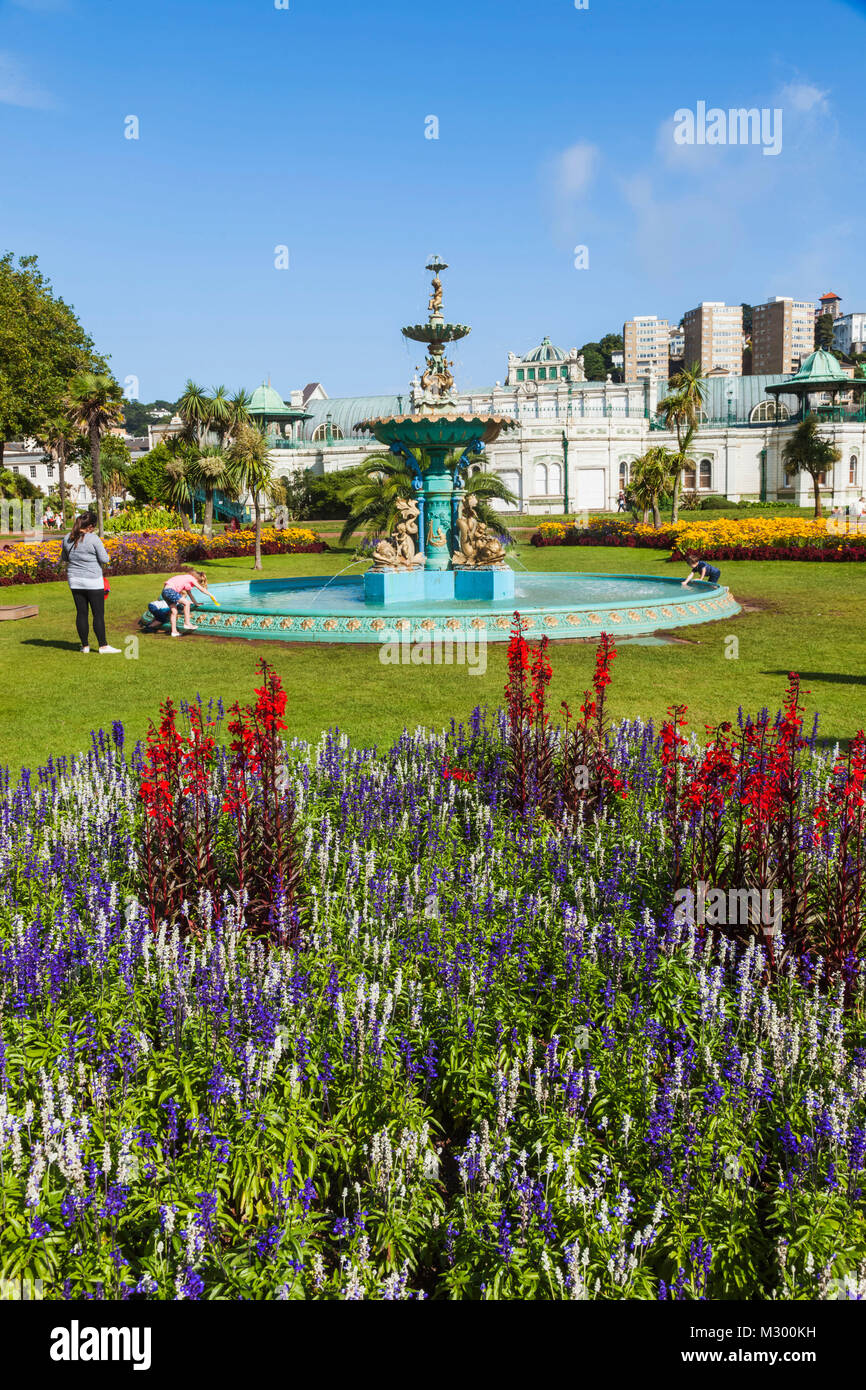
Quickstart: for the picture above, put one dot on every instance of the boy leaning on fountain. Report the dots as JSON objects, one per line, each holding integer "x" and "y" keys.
{"x": 700, "y": 569}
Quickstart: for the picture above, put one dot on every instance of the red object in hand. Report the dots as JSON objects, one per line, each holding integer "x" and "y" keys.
{"x": 106, "y": 587}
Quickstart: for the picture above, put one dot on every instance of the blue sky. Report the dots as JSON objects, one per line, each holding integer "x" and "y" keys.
{"x": 305, "y": 127}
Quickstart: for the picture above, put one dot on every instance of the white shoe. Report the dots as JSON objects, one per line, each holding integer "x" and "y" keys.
{"x": 85, "y": 649}
{"x": 189, "y": 628}
{"x": 109, "y": 651}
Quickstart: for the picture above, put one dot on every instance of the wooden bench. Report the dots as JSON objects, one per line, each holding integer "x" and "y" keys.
{"x": 19, "y": 610}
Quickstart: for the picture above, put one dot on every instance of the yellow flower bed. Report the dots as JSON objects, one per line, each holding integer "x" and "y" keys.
{"x": 751, "y": 531}
{"x": 150, "y": 552}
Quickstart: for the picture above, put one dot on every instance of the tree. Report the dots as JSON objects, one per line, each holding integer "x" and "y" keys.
{"x": 250, "y": 465}
{"x": 594, "y": 365}
{"x": 15, "y": 485}
{"x": 650, "y": 479}
{"x": 373, "y": 489}
{"x": 209, "y": 469}
{"x": 194, "y": 410}
{"x": 95, "y": 404}
{"x": 42, "y": 345}
{"x": 63, "y": 444}
{"x": 824, "y": 332}
{"x": 147, "y": 479}
{"x": 114, "y": 462}
{"x": 681, "y": 411}
{"x": 747, "y": 318}
{"x": 138, "y": 416}
{"x": 807, "y": 451}
{"x": 608, "y": 345}
{"x": 178, "y": 491}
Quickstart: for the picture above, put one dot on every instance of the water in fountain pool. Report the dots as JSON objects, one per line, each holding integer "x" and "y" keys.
{"x": 346, "y": 595}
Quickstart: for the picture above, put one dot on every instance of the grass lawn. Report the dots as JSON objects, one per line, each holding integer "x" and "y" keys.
{"x": 808, "y": 617}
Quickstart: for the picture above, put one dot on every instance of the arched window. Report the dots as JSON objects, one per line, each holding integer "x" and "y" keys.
{"x": 852, "y": 469}
{"x": 541, "y": 479}
{"x": 623, "y": 474}
{"x": 768, "y": 410}
{"x": 554, "y": 480}
{"x": 690, "y": 478}
{"x": 706, "y": 473}
{"x": 321, "y": 432}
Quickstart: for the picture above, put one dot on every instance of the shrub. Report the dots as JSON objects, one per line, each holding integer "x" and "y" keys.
{"x": 714, "y": 503}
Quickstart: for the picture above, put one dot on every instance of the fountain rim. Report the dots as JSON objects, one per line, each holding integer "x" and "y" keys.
{"x": 366, "y": 624}
{"x": 433, "y": 418}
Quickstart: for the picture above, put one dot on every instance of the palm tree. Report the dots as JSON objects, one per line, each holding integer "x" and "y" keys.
{"x": 179, "y": 492}
{"x": 373, "y": 489}
{"x": 807, "y": 451}
{"x": 681, "y": 411}
{"x": 650, "y": 479}
{"x": 194, "y": 409}
{"x": 220, "y": 413}
{"x": 209, "y": 469}
{"x": 250, "y": 466}
{"x": 95, "y": 404}
{"x": 240, "y": 408}
{"x": 58, "y": 441}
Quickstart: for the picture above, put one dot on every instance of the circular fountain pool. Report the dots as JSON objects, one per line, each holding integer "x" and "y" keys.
{"x": 558, "y": 605}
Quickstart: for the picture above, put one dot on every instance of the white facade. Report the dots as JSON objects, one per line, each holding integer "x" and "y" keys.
{"x": 605, "y": 426}
{"x": 849, "y": 333}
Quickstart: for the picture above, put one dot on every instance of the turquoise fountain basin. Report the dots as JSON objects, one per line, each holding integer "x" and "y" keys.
{"x": 555, "y": 605}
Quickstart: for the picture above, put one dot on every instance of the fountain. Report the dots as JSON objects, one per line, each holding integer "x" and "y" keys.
{"x": 441, "y": 572}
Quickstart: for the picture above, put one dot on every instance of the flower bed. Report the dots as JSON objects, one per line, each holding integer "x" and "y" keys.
{"x": 725, "y": 538}
{"x": 154, "y": 552}
{"x": 294, "y": 1022}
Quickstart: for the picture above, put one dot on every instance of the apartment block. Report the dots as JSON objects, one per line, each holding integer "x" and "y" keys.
{"x": 645, "y": 347}
{"x": 713, "y": 336}
{"x": 849, "y": 333}
{"x": 783, "y": 334}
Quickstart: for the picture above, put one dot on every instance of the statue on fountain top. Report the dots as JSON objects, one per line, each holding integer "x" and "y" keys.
{"x": 478, "y": 549}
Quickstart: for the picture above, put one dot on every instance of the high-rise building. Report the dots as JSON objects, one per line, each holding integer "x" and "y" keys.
{"x": 783, "y": 334}
{"x": 645, "y": 347}
{"x": 713, "y": 336}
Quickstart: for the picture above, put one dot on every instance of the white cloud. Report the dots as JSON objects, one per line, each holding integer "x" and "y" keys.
{"x": 573, "y": 171}
{"x": 16, "y": 89}
{"x": 804, "y": 96}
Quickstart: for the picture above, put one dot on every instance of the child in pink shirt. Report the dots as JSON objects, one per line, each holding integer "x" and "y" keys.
{"x": 177, "y": 594}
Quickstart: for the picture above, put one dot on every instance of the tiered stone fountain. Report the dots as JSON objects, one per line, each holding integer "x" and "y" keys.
{"x": 455, "y": 557}
{"x": 441, "y": 574}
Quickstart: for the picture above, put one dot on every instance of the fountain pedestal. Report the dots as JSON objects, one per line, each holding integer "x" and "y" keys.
{"x": 422, "y": 585}
{"x": 483, "y": 584}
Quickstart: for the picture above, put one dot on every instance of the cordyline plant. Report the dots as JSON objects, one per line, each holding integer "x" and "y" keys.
{"x": 190, "y": 800}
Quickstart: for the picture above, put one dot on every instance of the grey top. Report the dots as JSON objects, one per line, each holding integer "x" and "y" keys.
{"x": 84, "y": 561}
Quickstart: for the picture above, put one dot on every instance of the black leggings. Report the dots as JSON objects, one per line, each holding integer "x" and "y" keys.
{"x": 95, "y": 599}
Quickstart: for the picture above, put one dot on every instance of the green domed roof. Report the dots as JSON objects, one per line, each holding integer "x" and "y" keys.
{"x": 267, "y": 401}
{"x": 546, "y": 352}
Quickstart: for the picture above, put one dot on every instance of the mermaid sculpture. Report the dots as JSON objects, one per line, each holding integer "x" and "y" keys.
{"x": 478, "y": 549}
{"x": 398, "y": 551}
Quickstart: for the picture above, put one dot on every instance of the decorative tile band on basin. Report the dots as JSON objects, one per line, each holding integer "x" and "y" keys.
{"x": 558, "y": 606}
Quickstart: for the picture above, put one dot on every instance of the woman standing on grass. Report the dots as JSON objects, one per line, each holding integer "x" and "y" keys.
{"x": 85, "y": 555}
